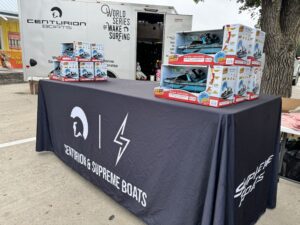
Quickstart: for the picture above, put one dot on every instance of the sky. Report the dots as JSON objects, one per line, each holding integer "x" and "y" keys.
{"x": 210, "y": 14}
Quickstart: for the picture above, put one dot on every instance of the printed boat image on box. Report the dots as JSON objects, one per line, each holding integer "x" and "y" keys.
{"x": 100, "y": 71}
{"x": 69, "y": 71}
{"x": 86, "y": 71}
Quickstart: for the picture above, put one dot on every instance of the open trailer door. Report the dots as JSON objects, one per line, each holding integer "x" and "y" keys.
{"x": 174, "y": 23}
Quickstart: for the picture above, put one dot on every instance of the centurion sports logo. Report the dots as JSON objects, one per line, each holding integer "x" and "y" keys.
{"x": 56, "y": 22}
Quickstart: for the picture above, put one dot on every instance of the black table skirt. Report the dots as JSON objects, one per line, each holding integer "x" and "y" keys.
{"x": 169, "y": 163}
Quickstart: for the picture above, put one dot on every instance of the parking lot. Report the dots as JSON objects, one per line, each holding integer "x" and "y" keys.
{"x": 37, "y": 188}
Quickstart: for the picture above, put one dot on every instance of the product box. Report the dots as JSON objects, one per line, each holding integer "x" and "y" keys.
{"x": 227, "y": 47}
{"x": 187, "y": 78}
{"x": 237, "y": 41}
{"x": 182, "y": 83}
{"x": 196, "y": 47}
{"x": 207, "y": 42}
{"x": 256, "y": 47}
{"x": 69, "y": 71}
{"x": 77, "y": 50}
{"x": 97, "y": 52}
{"x": 100, "y": 71}
{"x": 55, "y": 73}
{"x": 86, "y": 71}
{"x": 221, "y": 83}
{"x": 254, "y": 83}
{"x": 242, "y": 81}
{"x": 210, "y": 86}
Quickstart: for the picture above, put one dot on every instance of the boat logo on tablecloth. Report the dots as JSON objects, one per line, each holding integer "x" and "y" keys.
{"x": 79, "y": 120}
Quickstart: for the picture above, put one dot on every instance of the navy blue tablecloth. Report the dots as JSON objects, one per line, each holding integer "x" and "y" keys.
{"x": 169, "y": 163}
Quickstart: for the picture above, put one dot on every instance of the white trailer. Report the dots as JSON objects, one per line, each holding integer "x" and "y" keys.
{"x": 130, "y": 33}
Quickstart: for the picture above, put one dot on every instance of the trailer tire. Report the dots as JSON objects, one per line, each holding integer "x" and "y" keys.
{"x": 111, "y": 74}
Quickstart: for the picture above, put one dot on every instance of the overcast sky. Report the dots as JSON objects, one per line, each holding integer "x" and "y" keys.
{"x": 209, "y": 14}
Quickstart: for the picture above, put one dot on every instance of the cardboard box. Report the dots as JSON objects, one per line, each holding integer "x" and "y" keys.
{"x": 290, "y": 104}
{"x": 55, "y": 75}
{"x": 254, "y": 83}
{"x": 80, "y": 51}
{"x": 256, "y": 47}
{"x": 100, "y": 71}
{"x": 242, "y": 81}
{"x": 86, "y": 71}
{"x": 97, "y": 52}
{"x": 69, "y": 71}
{"x": 237, "y": 40}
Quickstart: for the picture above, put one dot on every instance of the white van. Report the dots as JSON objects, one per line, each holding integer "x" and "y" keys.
{"x": 130, "y": 33}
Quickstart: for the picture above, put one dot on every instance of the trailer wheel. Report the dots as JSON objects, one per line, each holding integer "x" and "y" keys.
{"x": 111, "y": 74}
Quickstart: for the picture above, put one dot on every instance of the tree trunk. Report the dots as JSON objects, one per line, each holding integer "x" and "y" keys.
{"x": 281, "y": 21}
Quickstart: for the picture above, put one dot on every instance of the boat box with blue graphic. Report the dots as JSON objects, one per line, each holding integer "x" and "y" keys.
{"x": 237, "y": 40}
{"x": 80, "y": 51}
{"x": 86, "y": 71}
{"x": 69, "y": 71}
{"x": 100, "y": 71}
{"x": 97, "y": 52}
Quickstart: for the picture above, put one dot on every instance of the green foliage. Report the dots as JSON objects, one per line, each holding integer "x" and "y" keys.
{"x": 197, "y": 1}
{"x": 249, "y": 4}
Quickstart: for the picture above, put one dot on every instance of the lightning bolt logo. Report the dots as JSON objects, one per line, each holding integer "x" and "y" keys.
{"x": 122, "y": 141}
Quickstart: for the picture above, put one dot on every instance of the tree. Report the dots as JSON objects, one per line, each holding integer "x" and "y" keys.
{"x": 280, "y": 19}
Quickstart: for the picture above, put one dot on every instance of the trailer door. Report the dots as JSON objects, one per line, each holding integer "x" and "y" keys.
{"x": 174, "y": 23}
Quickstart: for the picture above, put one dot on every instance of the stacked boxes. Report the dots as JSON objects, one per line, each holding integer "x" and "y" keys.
{"x": 80, "y": 61}
{"x": 232, "y": 58}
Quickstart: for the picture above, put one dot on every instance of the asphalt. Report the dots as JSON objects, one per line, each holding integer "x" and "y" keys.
{"x": 37, "y": 188}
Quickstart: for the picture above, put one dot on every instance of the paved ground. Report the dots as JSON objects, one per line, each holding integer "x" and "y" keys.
{"x": 39, "y": 189}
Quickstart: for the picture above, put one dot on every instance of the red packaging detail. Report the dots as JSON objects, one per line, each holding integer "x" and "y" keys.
{"x": 65, "y": 58}
{"x": 251, "y": 96}
{"x": 191, "y": 59}
{"x": 238, "y": 99}
{"x": 251, "y": 61}
{"x": 96, "y": 60}
{"x": 100, "y": 78}
{"x": 54, "y": 77}
{"x": 219, "y": 102}
{"x": 178, "y": 95}
{"x": 86, "y": 79}
{"x": 182, "y": 96}
{"x": 78, "y": 59}
{"x": 68, "y": 79}
{"x": 82, "y": 59}
{"x": 232, "y": 60}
